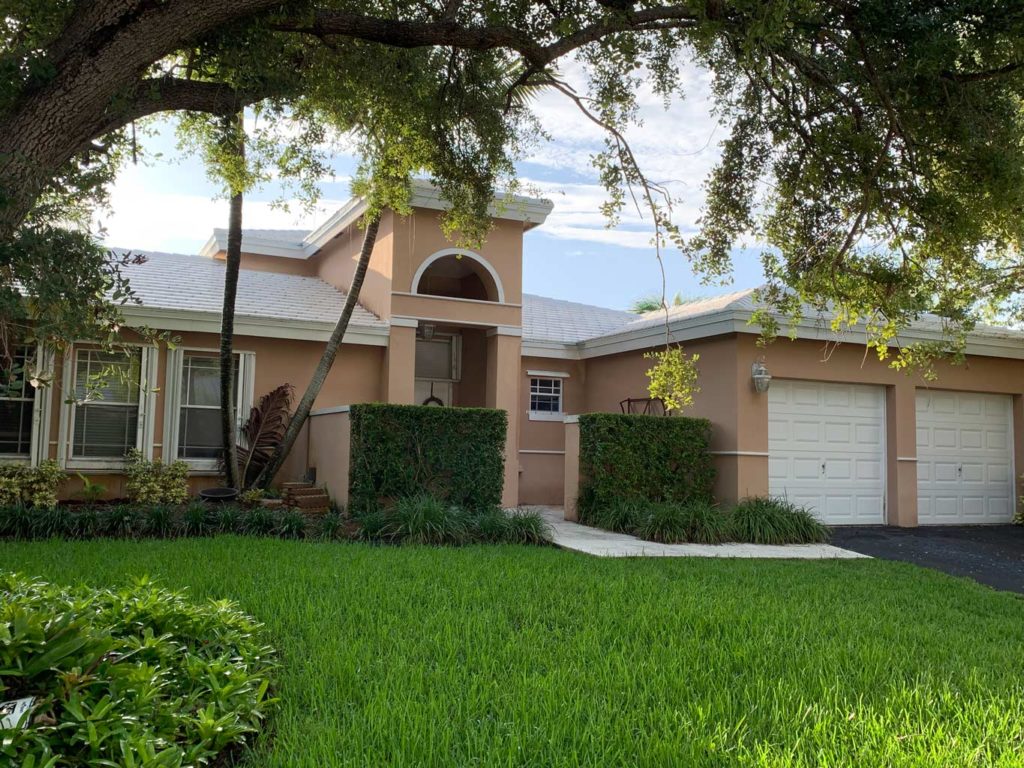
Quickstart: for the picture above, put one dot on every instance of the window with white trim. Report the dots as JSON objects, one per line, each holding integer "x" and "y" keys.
{"x": 546, "y": 398}
{"x": 199, "y": 418}
{"x": 17, "y": 402}
{"x": 108, "y": 404}
{"x": 192, "y": 404}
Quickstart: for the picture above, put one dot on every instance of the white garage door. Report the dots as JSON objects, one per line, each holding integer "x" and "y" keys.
{"x": 826, "y": 449}
{"x": 964, "y": 458}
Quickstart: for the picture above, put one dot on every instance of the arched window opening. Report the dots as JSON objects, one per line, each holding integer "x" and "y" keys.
{"x": 458, "y": 275}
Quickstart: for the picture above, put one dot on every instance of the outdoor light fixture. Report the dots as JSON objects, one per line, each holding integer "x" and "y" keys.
{"x": 428, "y": 331}
{"x": 762, "y": 379}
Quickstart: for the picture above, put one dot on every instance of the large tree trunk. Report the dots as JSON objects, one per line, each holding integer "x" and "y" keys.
{"x": 233, "y": 261}
{"x": 99, "y": 62}
{"x": 266, "y": 477}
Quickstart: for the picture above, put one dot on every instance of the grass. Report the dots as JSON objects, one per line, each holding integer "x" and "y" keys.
{"x": 503, "y": 656}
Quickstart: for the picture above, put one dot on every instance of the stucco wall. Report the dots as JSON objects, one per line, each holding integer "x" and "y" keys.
{"x": 336, "y": 263}
{"x": 355, "y": 377}
{"x": 542, "y": 443}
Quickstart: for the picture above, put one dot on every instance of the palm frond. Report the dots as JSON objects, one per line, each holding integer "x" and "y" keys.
{"x": 263, "y": 431}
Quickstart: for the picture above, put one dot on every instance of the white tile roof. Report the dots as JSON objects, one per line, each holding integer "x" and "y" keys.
{"x": 176, "y": 281}
{"x": 736, "y": 301}
{"x": 568, "y": 322}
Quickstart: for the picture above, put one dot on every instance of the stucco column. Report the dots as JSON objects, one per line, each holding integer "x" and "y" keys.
{"x": 572, "y": 468}
{"x": 901, "y": 454}
{"x": 503, "y": 374}
{"x": 400, "y": 363}
{"x": 1018, "y": 450}
{"x": 751, "y": 460}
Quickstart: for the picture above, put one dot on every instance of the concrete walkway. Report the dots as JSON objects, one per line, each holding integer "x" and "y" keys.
{"x": 602, "y": 543}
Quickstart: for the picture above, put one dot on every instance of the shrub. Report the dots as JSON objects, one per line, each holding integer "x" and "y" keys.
{"x": 694, "y": 522}
{"x": 91, "y": 492}
{"x": 633, "y": 458}
{"x": 153, "y": 482}
{"x": 16, "y": 521}
{"x": 763, "y": 520}
{"x": 136, "y": 676}
{"x": 454, "y": 454}
{"x": 55, "y": 522}
{"x": 33, "y": 486}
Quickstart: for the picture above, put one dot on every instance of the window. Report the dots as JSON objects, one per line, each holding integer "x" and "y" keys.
{"x": 546, "y": 399}
{"x": 106, "y": 410}
{"x": 17, "y": 401}
{"x": 192, "y": 404}
{"x": 199, "y": 422}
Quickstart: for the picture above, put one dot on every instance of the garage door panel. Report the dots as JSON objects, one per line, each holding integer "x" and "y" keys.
{"x": 826, "y": 449}
{"x": 964, "y": 458}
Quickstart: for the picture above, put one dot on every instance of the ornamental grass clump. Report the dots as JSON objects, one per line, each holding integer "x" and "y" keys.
{"x": 425, "y": 519}
{"x": 695, "y": 522}
{"x": 764, "y": 520}
{"x": 128, "y": 677}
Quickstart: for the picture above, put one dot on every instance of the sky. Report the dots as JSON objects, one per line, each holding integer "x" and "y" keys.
{"x": 167, "y": 202}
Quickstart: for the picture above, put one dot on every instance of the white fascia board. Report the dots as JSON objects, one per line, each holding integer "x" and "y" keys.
{"x": 211, "y": 247}
{"x": 1004, "y": 344}
{"x": 248, "y": 325}
{"x": 219, "y": 242}
{"x": 532, "y": 211}
{"x": 338, "y": 222}
{"x": 551, "y": 349}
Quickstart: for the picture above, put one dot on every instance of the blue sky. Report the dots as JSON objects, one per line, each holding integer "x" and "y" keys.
{"x": 167, "y": 203}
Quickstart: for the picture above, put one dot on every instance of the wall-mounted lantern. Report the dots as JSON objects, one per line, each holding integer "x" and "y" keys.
{"x": 427, "y": 331}
{"x": 760, "y": 376}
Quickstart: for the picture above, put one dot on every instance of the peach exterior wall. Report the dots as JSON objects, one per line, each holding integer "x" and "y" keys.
{"x": 330, "y": 452}
{"x": 355, "y": 377}
{"x": 336, "y": 263}
{"x": 739, "y": 415}
{"x": 542, "y": 443}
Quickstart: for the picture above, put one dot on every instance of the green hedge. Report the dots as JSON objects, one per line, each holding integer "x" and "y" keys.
{"x": 454, "y": 454}
{"x": 632, "y": 458}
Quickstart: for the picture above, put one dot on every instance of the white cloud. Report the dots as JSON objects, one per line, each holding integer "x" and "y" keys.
{"x": 145, "y": 215}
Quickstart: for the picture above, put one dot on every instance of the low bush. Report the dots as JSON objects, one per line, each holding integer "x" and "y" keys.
{"x": 425, "y": 519}
{"x": 32, "y": 486}
{"x": 153, "y": 482}
{"x": 136, "y": 676}
{"x": 764, "y": 520}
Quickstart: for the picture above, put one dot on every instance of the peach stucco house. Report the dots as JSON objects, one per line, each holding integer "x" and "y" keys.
{"x": 835, "y": 429}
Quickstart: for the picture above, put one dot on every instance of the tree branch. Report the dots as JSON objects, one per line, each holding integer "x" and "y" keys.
{"x": 168, "y": 94}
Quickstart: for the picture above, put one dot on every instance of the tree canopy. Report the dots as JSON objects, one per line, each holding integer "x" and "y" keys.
{"x": 875, "y": 147}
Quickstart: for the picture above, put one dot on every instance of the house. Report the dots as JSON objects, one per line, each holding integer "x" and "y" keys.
{"x": 836, "y": 429}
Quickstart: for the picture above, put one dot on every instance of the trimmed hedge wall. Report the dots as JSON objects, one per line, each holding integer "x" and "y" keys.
{"x": 633, "y": 458}
{"x": 454, "y": 454}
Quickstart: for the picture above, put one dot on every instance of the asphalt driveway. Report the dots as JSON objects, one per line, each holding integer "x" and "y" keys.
{"x": 990, "y": 554}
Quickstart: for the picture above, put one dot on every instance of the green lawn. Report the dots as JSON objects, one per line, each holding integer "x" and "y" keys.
{"x": 517, "y": 656}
